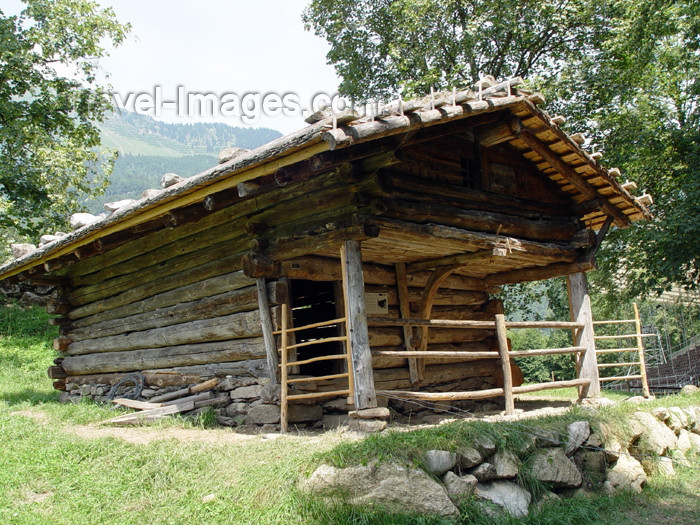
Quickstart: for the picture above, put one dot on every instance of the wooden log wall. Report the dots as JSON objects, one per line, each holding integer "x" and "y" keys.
{"x": 176, "y": 302}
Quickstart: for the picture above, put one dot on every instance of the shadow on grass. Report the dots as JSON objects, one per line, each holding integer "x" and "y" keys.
{"x": 29, "y": 395}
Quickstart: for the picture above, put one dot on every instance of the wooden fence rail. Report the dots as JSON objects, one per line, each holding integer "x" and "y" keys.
{"x": 500, "y": 325}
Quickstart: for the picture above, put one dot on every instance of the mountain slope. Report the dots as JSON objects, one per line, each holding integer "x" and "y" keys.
{"x": 149, "y": 148}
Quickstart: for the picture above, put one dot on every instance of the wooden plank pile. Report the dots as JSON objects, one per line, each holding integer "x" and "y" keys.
{"x": 192, "y": 400}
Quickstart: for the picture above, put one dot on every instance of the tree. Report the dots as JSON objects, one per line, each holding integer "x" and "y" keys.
{"x": 49, "y": 102}
{"x": 638, "y": 97}
{"x": 626, "y": 71}
{"x": 381, "y": 48}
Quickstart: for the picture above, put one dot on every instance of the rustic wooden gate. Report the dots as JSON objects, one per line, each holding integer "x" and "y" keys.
{"x": 286, "y": 364}
{"x": 635, "y": 353}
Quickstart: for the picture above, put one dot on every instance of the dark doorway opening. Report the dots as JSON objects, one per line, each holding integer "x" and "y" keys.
{"x": 314, "y": 302}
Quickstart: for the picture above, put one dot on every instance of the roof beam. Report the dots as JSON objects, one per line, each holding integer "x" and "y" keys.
{"x": 572, "y": 176}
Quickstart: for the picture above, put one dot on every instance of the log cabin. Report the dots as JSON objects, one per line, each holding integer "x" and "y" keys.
{"x": 352, "y": 262}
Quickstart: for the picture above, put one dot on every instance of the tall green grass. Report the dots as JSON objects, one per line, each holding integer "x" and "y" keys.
{"x": 51, "y": 472}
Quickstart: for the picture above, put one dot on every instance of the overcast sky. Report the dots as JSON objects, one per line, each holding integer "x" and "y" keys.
{"x": 217, "y": 46}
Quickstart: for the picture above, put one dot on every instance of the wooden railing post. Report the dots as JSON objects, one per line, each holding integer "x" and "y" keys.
{"x": 283, "y": 372}
{"x": 354, "y": 288}
{"x": 505, "y": 363}
{"x": 640, "y": 351}
{"x": 580, "y": 308}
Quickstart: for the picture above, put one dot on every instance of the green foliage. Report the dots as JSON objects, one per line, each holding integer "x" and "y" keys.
{"x": 638, "y": 98}
{"x": 49, "y": 101}
{"x": 383, "y": 48}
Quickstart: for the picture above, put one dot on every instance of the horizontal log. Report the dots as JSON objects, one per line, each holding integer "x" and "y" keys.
{"x": 547, "y": 229}
{"x": 61, "y": 343}
{"x": 327, "y": 269}
{"x": 394, "y": 336}
{"x": 56, "y": 372}
{"x": 241, "y": 300}
{"x": 439, "y": 323}
{"x": 57, "y": 308}
{"x": 148, "y": 289}
{"x": 235, "y": 326}
{"x": 410, "y": 187}
{"x": 444, "y": 297}
{"x": 473, "y": 351}
{"x": 457, "y": 313}
{"x": 165, "y": 357}
{"x": 183, "y": 258}
{"x": 468, "y": 240}
{"x": 478, "y": 394}
{"x": 322, "y": 242}
{"x": 202, "y": 288}
{"x": 539, "y": 273}
{"x": 179, "y": 376}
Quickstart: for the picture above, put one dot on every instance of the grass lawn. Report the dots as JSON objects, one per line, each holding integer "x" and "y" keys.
{"x": 60, "y": 466}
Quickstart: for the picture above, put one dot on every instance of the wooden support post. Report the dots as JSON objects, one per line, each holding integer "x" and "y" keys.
{"x": 580, "y": 308}
{"x": 283, "y": 372}
{"x": 505, "y": 363}
{"x": 353, "y": 283}
{"x": 640, "y": 351}
{"x": 405, "y": 309}
{"x": 267, "y": 329}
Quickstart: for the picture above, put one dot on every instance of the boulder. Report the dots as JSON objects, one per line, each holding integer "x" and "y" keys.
{"x": 513, "y": 498}
{"x": 664, "y": 466}
{"x": 459, "y": 488}
{"x": 591, "y": 461}
{"x": 438, "y": 462}
{"x": 271, "y": 394}
{"x": 170, "y": 179}
{"x": 627, "y": 474}
{"x": 689, "y": 390}
{"x": 468, "y": 457}
{"x": 547, "y": 438}
{"x": 657, "y": 436}
{"x": 227, "y": 154}
{"x": 677, "y": 419}
{"x": 111, "y": 207}
{"x": 151, "y": 192}
{"x": 247, "y": 392}
{"x": 552, "y": 465}
{"x": 80, "y": 220}
{"x": 263, "y": 414}
{"x": 397, "y": 488}
{"x": 484, "y": 445}
{"x": 367, "y": 426}
{"x": 484, "y": 472}
{"x": 578, "y": 433}
{"x": 684, "y": 444}
{"x": 304, "y": 413}
{"x": 661, "y": 413}
{"x": 694, "y": 442}
{"x": 48, "y": 239}
{"x": 506, "y": 464}
{"x": 20, "y": 250}
{"x": 370, "y": 413}
{"x": 695, "y": 418}
{"x": 639, "y": 399}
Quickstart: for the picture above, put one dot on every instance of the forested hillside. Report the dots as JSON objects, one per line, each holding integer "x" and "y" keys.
{"x": 149, "y": 148}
